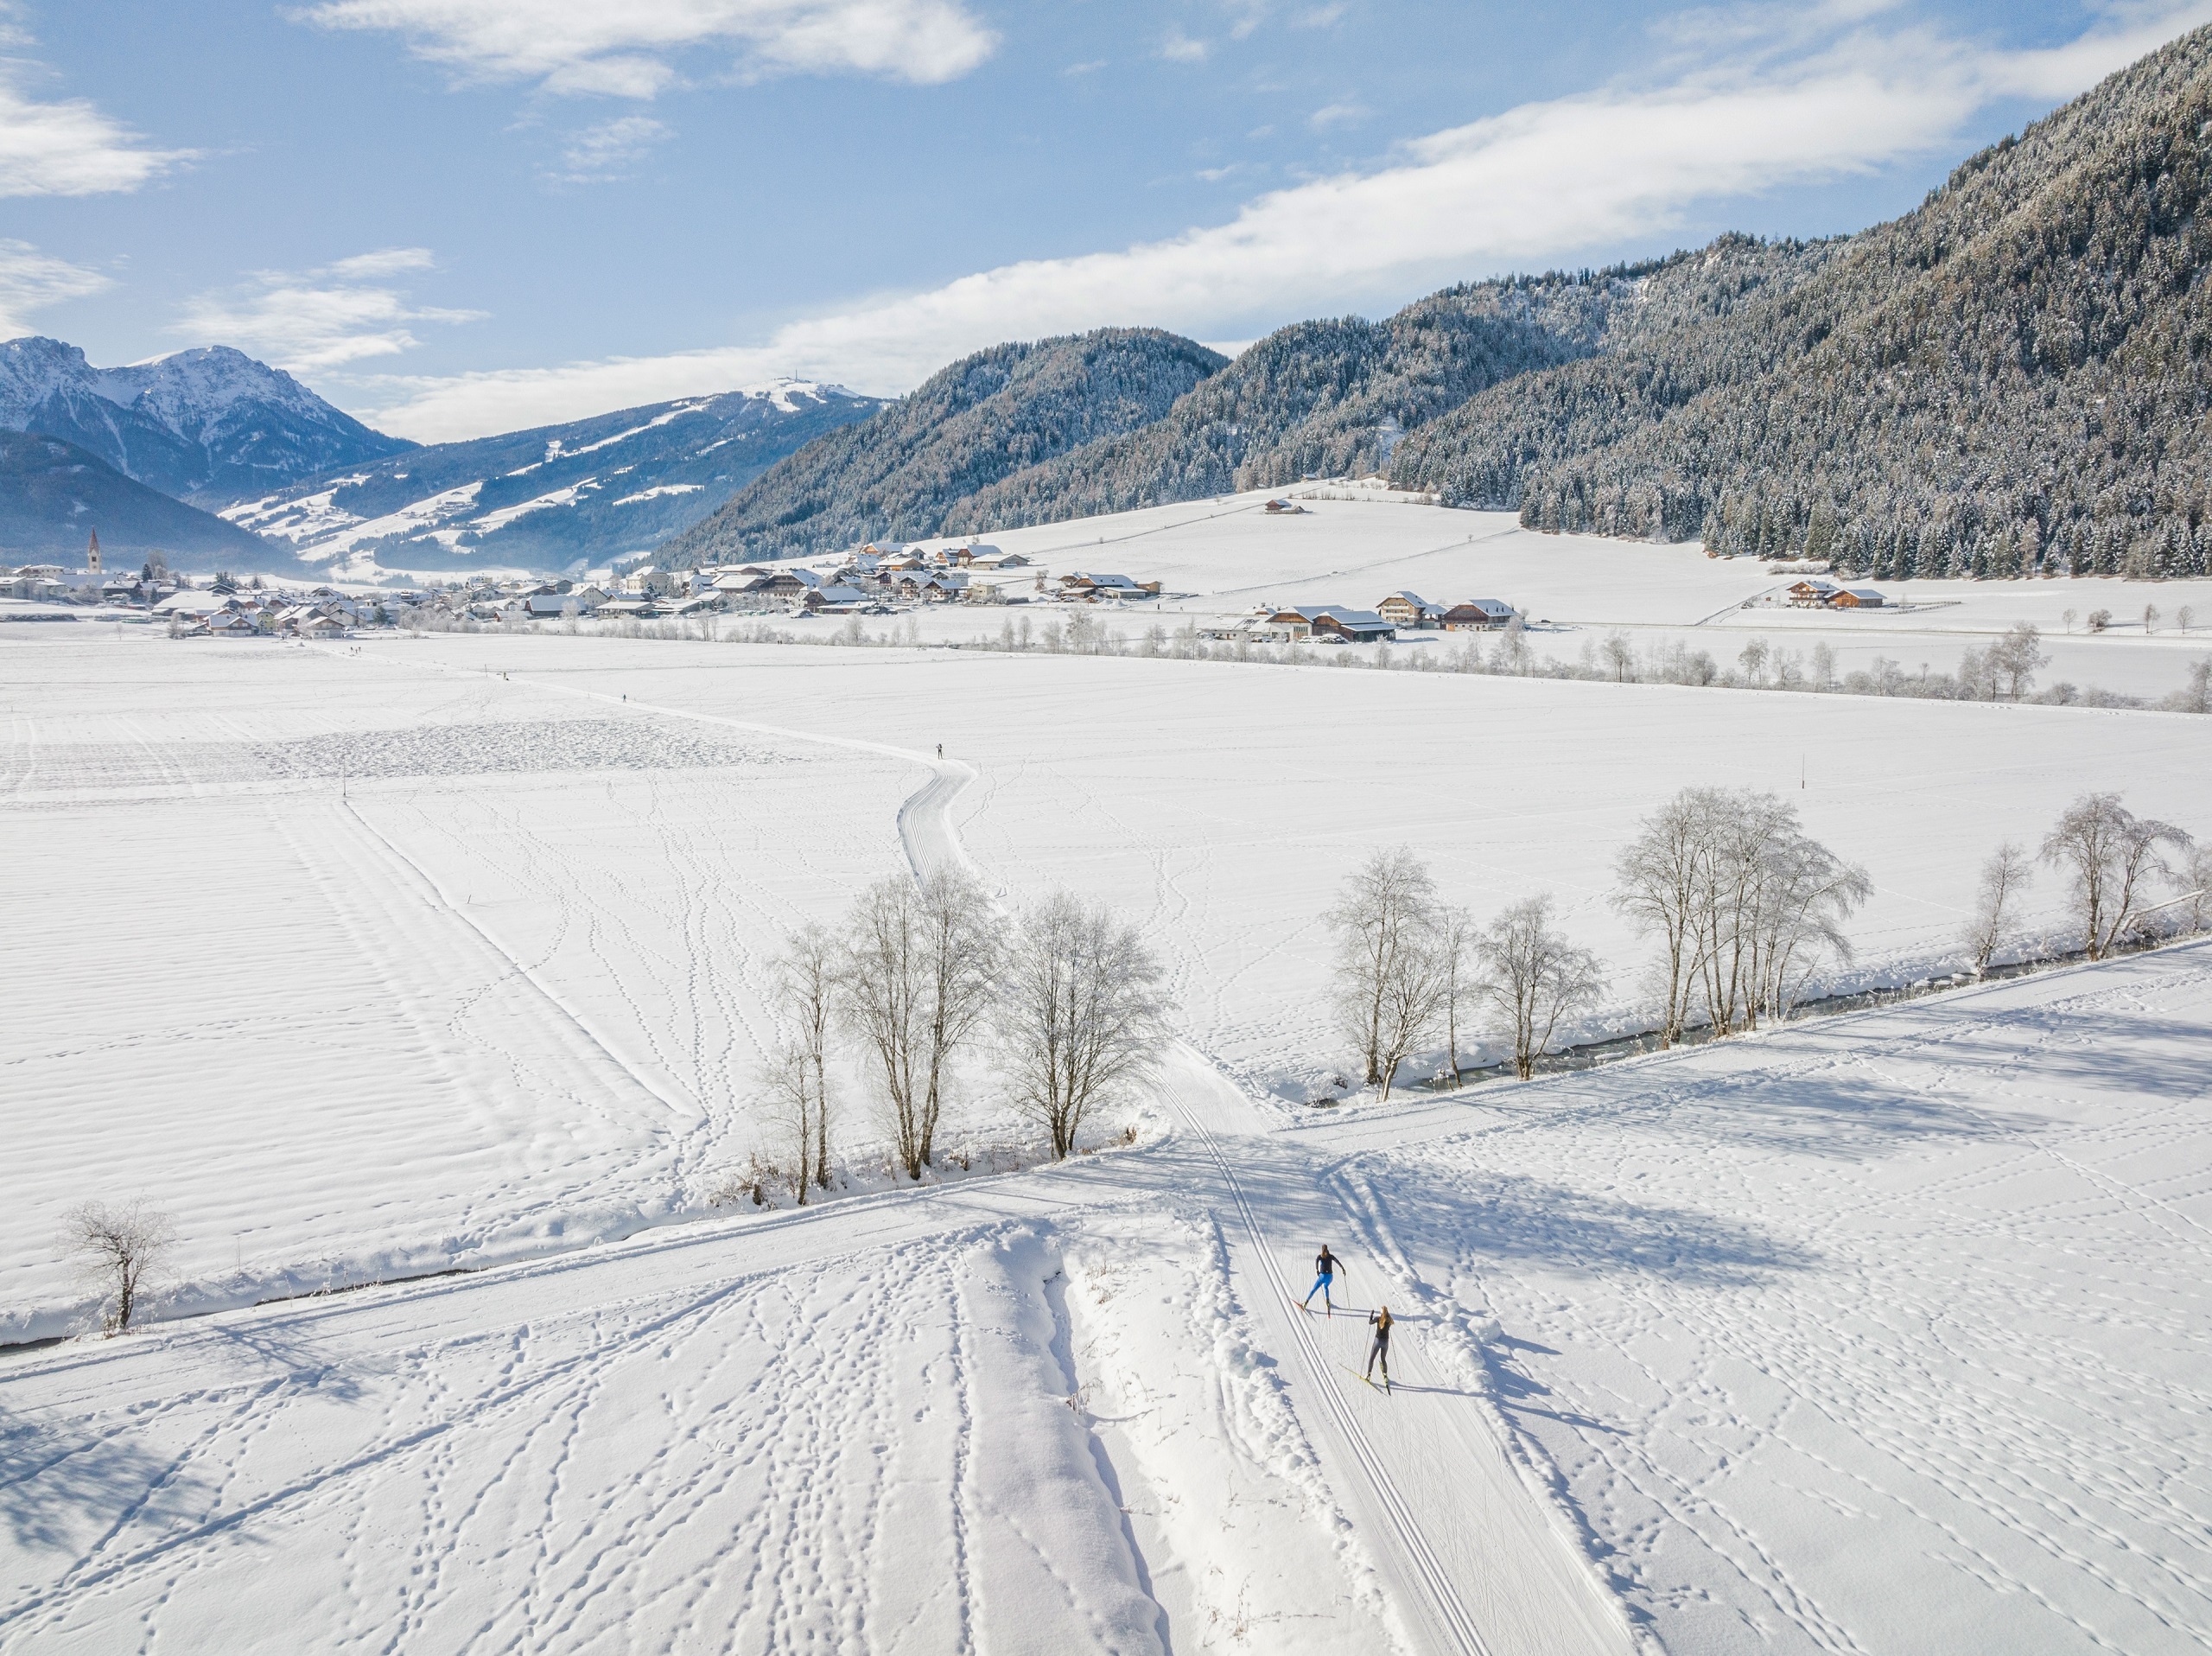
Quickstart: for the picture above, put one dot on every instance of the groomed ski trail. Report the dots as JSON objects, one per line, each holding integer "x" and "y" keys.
{"x": 1533, "y": 1594}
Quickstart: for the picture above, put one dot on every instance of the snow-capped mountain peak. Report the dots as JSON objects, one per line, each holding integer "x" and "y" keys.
{"x": 209, "y": 421}
{"x": 592, "y": 491}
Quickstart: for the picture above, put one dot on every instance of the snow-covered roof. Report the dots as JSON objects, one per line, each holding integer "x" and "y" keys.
{"x": 188, "y": 602}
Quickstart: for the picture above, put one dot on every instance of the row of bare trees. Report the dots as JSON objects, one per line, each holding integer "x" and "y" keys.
{"x": 2115, "y": 863}
{"x": 1410, "y": 967}
{"x": 1067, "y": 998}
{"x": 1744, "y": 904}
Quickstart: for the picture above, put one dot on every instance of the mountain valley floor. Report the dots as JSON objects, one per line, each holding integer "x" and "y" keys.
{"x": 1875, "y": 1332}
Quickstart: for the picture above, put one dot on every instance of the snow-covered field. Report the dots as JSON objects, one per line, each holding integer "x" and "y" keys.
{"x": 1355, "y": 545}
{"x": 1877, "y": 1333}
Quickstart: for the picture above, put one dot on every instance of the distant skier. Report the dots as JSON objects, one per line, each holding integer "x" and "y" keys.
{"x": 1325, "y": 1274}
{"x": 1381, "y": 1347}
{"x": 940, "y": 750}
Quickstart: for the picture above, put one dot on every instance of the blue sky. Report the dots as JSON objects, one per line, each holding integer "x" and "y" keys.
{"x": 458, "y": 216}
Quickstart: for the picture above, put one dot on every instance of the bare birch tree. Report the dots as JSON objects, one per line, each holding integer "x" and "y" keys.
{"x": 807, "y": 995}
{"x": 1663, "y": 879}
{"x": 787, "y": 1083}
{"x": 2112, "y": 853}
{"x": 1079, "y": 1011}
{"x": 1805, "y": 894}
{"x": 919, "y": 964}
{"x": 1532, "y": 977}
{"x": 118, "y": 1252}
{"x": 2018, "y": 657}
{"x": 1379, "y": 918}
{"x": 1412, "y": 1000}
{"x": 1743, "y": 903}
{"x": 2004, "y": 877}
{"x": 1451, "y": 940}
{"x": 1741, "y": 831}
{"x": 2197, "y": 889}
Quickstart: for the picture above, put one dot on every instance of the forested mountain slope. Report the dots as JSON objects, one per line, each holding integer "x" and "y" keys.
{"x": 966, "y": 427}
{"x": 2011, "y": 378}
{"x": 53, "y": 495}
{"x": 1330, "y": 397}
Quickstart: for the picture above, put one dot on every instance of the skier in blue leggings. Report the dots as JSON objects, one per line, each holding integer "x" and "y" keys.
{"x": 1325, "y": 1267}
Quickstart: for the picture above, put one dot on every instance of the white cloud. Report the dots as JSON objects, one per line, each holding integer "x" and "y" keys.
{"x": 609, "y": 149}
{"x": 385, "y": 261}
{"x": 1335, "y": 115}
{"x": 625, "y": 49}
{"x": 30, "y": 281}
{"x": 322, "y": 318}
{"x": 1532, "y": 186}
{"x": 69, "y": 147}
{"x": 1179, "y": 48}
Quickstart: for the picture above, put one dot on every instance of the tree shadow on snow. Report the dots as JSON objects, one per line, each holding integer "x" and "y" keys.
{"x": 280, "y": 1345}
{"x": 2123, "y": 1051}
{"x": 1505, "y": 1216}
{"x": 1841, "y": 1114}
{"x": 61, "y": 1489}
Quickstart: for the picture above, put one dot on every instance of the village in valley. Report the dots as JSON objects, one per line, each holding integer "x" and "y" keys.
{"x": 874, "y": 580}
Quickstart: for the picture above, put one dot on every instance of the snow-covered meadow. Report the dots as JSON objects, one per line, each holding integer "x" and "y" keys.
{"x": 1355, "y": 544}
{"x": 386, "y": 957}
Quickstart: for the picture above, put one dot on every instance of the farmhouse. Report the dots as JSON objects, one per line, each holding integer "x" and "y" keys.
{"x": 1475, "y": 614}
{"x": 1857, "y": 598}
{"x": 1327, "y": 620}
{"x": 933, "y": 588}
{"x": 1089, "y": 589}
{"x": 540, "y": 605}
{"x": 1410, "y": 609}
{"x": 1353, "y": 627}
{"x": 1807, "y": 593}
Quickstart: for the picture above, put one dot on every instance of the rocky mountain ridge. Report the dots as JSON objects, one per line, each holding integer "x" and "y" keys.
{"x": 209, "y": 424}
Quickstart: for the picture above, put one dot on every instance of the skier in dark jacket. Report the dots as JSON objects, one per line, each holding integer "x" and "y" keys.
{"x": 1381, "y": 1347}
{"x": 1324, "y": 1273}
